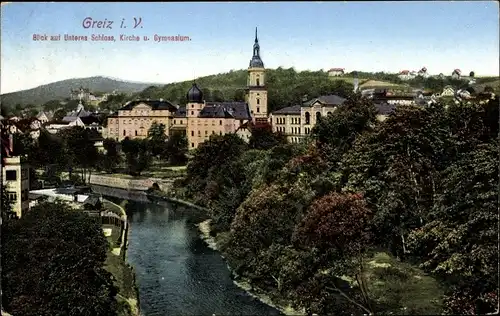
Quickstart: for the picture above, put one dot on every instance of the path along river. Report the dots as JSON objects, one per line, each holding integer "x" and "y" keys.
{"x": 177, "y": 273}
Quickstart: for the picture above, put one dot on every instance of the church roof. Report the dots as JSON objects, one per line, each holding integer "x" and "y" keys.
{"x": 256, "y": 62}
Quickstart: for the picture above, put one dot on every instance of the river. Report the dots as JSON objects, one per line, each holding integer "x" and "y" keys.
{"x": 177, "y": 273}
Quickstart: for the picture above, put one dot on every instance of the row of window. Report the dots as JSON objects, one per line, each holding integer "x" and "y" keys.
{"x": 295, "y": 130}
{"x": 296, "y": 120}
{"x": 282, "y": 120}
{"x": 141, "y": 132}
{"x": 206, "y": 133}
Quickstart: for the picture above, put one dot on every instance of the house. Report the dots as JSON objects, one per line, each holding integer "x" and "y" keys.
{"x": 423, "y": 72}
{"x": 78, "y": 117}
{"x": 456, "y": 74}
{"x": 448, "y": 91}
{"x": 199, "y": 119}
{"x": 336, "y": 72}
{"x": 16, "y": 179}
{"x": 44, "y": 117}
{"x": 406, "y": 75}
{"x": 31, "y": 126}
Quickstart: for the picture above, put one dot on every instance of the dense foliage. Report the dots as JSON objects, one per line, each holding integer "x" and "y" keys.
{"x": 53, "y": 264}
{"x": 75, "y": 149}
{"x": 362, "y": 208}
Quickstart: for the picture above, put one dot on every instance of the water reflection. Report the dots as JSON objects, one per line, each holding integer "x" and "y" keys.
{"x": 177, "y": 273}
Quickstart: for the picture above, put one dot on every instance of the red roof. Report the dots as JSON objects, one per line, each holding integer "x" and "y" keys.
{"x": 404, "y": 72}
{"x": 336, "y": 69}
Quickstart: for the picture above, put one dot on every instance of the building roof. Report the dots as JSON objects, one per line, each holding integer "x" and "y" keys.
{"x": 238, "y": 110}
{"x": 154, "y": 104}
{"x": 331, "y": 99}
{"x": 336, "y": 69}
{"x": 404, "y": 72}
{"x": 194, "y": 94}
{"x": 181, "y": 112}
{"x": 289, "y": 110}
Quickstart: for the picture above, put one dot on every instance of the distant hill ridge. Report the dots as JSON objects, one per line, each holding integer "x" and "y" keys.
{"x": 61, "y": 89}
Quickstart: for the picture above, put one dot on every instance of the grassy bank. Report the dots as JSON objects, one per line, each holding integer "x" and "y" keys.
{"x": 124, "y": 280}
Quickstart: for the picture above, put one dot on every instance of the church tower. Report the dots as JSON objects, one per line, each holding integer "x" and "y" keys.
{"x": 256, "y": 90}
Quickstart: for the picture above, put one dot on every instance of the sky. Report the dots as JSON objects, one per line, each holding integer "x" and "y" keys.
{"x": 363, "y": 36}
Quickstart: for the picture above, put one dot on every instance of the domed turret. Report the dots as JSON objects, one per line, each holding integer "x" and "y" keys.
{"x": 194, "y": 95}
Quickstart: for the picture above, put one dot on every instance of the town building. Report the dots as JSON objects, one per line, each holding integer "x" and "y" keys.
{"x": 16, "y": 179}
{"x": 199, "y": 119}
{"x": 335, "y": 72}
{"x": 14, "y": 174}
{"x": 296, "y": 122}
{"x": 78, "y": 117}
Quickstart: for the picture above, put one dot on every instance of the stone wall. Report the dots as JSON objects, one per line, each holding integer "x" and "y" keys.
{"x": 130, "y": 183}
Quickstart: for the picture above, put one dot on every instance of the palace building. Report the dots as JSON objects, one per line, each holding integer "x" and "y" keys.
{"x": 199, "y": 119}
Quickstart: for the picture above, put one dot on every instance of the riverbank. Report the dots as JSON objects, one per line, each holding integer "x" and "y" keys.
{"x": 123, "y": 274}
{"x": 204, "y": 228}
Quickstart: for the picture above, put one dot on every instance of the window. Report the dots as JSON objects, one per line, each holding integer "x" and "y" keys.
{"x": 220, "y": 133}
{"x": 299, "y": 120}
{"x": 199, "y": 133}
{"x": 192, "y": 144}
{"x": 258, "y": 81}
{"x": 12, "y": 196}
{"x": 277, "y": 121}
{"x": 258, "y": 110}
{"x": 213, "y": 132}
{"x": 124, "y": 133}
{"x": 181, "y": 122}
{"x": 329, "y": 113}
{"x": 192, "y": 133}
{"x": 11, "y": 175}
{"x": 175, "y": 122}
{"x": 192, "y": 112}
{"x": 220, "y": 122}
{"x": 258, "y": 101}
{"x": 308, "y": 118}
{"x": 206, "y": 133}
{"x": 136, "y": 133}
{"x": 318, "y": 116}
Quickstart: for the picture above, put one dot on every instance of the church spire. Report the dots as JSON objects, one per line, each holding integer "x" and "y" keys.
{"x": 256, "y": 62}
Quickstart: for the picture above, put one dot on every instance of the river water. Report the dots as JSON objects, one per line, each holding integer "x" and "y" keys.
{"x": 177, "y": 273}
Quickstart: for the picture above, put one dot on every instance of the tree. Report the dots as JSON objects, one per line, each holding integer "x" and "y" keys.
{"x": 471, "y": 74}
{"x": 176, "y": 149}
{"x": 138, "y": 155}
{"x": 336, "y": 133}
{"x": 157, "y": 139}
{"x": 111, "y": 158}
{"x": 264, "y": 138}
{"x": 217, "y": 96}
{"x": 80, "y": 150}
{"x": 52, "y": 105}
{"x": 460, "y": 238}
{"x": 7, "y": 211}
{"x": 53, "y": 264}
{"x": 59, "y": 114}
